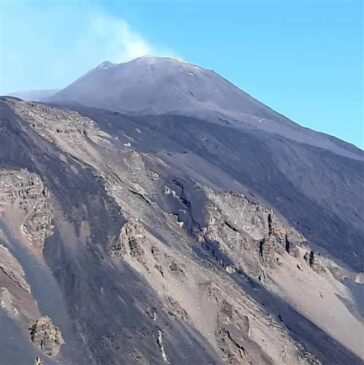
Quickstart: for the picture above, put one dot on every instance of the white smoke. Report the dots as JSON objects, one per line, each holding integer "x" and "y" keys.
{"x": 49, "y": 45}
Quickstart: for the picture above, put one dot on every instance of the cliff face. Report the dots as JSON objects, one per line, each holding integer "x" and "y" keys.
{"x": 167, "y": 239}
{"x": 24, "y": 194}
{"x": 47, "y": 337}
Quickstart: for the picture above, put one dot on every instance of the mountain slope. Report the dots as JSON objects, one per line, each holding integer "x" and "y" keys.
{"x": 200, "y": 227}
{"x": 181, "y": 86}
{"x": 152, "y": 255}
{"x": 155, "y": 85}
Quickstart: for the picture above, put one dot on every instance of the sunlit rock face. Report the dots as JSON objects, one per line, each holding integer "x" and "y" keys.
{"x": 223, "y": 234}
{"x": 46, "y": 336}
{"x": 23, "y": 193}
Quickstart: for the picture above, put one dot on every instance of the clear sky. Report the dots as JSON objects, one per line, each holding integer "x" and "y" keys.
{"x": 302, "y": 58}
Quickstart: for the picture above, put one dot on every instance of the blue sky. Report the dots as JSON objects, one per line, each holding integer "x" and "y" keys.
{"x": 302, "y": 58}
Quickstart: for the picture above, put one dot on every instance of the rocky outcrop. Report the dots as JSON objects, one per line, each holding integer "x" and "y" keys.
{"x": 51, "y": 123}
{"x": 38, "y": 361}
{"x": 25, "y": 191}
{"x": 312, "y": 258}
{"x": 131, "y": 241}
{"x": 46, "y": 336}
{"x": 38, "y": 225}
{"x": 267, "y": 251}
{"x": 134, "y": 245}
{"x": 251, "y": 235}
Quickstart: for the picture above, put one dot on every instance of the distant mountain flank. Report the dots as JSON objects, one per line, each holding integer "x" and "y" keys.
{"x": 159, "y": 85}
{"x": 156, "y": 85}
{"x": 34, "y": 95}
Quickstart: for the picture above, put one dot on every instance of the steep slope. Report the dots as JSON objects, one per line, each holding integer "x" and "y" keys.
{"x": 102, "y": 308}
{"x": 314, "y": 189}
{"x": 150, "y": 253}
